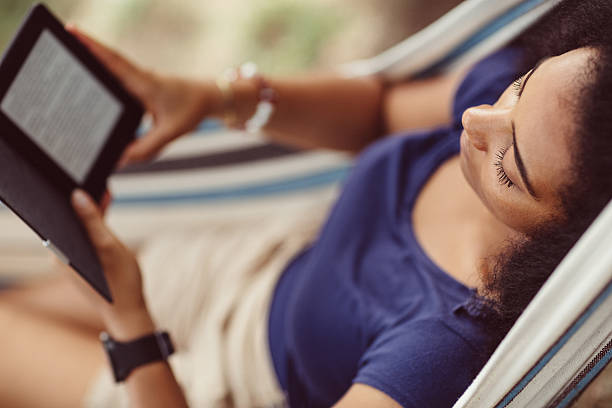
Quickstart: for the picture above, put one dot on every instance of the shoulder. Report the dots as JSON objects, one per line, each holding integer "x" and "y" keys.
{"x": 404, "y": 149}
{"x": 425, "y": 363}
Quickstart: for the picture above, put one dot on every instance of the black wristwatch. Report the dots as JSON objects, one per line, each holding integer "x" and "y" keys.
{"x": 126, "y": 356}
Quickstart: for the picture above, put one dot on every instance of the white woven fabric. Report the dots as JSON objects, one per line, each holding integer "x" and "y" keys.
{"x": 215, "y": 305}
{"x": 450, "y": 34}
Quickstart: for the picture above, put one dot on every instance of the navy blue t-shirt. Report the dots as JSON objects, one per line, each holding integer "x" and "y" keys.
{"x": 365, "y": 304}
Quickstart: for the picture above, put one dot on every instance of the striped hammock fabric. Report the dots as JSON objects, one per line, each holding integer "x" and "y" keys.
{"x": 556, "y": 348}
{"x": 564, "y": 337}
{"x": 470, "y": 31}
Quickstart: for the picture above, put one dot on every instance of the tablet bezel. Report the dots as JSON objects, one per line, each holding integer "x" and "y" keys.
{"x": 39, "y": 19}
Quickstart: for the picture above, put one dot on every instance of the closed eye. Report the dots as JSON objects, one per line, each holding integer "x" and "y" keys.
{"x": 516, "y": 86}
{"x": 502, "y": 176}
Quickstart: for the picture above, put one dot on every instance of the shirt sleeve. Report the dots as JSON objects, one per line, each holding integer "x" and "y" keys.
{"x": 424, "y": 365}
{"x": 487, "y": 80}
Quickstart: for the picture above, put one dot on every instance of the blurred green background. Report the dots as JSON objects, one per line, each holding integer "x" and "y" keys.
{"x": 201, "y": 37}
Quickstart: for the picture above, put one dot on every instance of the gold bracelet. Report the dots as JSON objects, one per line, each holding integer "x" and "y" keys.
{"x": 224, "y": 83}
{"x": 266, "y": 99}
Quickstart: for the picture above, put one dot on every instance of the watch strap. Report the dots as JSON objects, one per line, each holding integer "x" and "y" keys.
{"x": 126, "y": 356}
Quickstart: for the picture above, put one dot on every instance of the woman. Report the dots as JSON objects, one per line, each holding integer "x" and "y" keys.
{"x": 405, "y": 292}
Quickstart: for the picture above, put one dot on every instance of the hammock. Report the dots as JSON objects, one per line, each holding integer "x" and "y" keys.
{"x": 557, "y": 347}
{"x": 560, "y": 343}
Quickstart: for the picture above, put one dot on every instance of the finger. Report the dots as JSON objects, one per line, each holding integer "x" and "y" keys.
{"x": 91, "y": 217}
{"x": 118, "y": 65}
{"x": 145, "y": 148}
{"x": 105, "y": 202}
{"x": 104, "y": 53}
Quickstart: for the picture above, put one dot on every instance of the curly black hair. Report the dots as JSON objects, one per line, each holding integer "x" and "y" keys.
{"x": 523, "y": 266}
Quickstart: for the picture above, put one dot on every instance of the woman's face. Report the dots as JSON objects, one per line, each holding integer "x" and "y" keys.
{"x": 516, "y": 154}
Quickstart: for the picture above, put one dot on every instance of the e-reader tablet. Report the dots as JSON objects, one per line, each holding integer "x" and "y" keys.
{"x": 64, "y": 122}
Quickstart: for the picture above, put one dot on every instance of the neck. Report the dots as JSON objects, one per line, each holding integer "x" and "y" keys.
{"x": 492, "y": 236}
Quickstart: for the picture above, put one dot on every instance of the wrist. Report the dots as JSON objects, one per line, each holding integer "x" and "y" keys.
{"x": 126, "y": 356}
{"x": 234, "y": 97}
{"x": 217, "y": 103}
{"x": 265, "y": 98}
{"x": 245, "y": 91}
{"x": 129, "y": 325}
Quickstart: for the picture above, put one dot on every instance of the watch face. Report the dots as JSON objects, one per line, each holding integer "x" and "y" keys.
{"x": 105, "y": 338}
{"x": 110, "y": 345}
{"x": 165, "y": 344}
{"x": 126, "y": 356}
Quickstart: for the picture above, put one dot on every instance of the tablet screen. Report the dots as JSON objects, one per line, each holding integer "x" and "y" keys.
{"x": 62, "y": 107}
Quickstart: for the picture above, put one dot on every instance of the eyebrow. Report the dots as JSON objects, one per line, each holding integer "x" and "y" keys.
{"x": 517, "y": 157}
{"x": 520, "y": 165}
{"x": 524, "y": 84}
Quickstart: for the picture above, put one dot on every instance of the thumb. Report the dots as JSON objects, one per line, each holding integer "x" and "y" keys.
{"x": 146, "y": 147}
{"x": 91, "y": 218}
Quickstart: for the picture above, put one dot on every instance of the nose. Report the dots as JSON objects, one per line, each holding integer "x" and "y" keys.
{"x": 482, "y": 123}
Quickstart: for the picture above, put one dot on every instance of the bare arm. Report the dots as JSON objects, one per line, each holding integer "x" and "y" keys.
{"x": 421, "y": 103}
{"x": 364, "y": 396}
{"x": 152, "y": 385}
{"x": 347, "y": 114}
{"x": 127, "y": 318}
{"x": 314, "y": 110}
{"x": 322, "y": 110}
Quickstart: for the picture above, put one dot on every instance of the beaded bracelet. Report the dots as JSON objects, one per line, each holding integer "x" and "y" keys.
{"x": 266, "y": 97}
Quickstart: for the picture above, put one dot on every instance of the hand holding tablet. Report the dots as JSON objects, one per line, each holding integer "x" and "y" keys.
{"x": 66, "y": 120}
{"x": 177, "y": 105}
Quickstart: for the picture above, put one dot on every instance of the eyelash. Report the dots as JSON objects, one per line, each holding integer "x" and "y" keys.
{"x": 502, "y": 177}
{"x": 516, "y": 86}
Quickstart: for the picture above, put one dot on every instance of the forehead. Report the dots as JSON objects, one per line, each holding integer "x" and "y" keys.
{"x": 545, "y": 120}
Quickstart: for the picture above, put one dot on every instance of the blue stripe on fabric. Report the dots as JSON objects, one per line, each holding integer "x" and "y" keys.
{"x": 551, "y": 353}
{"x": 210, "y": 125}
{"x": 204, "y": 128}
{"x": 481, "y": 35}
{"x": 586, "y": 380}
{"x": 301, "y": 183}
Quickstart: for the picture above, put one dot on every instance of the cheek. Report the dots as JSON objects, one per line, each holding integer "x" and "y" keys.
{"x": 506, "y": 204}
{"x": 509, "y": 205}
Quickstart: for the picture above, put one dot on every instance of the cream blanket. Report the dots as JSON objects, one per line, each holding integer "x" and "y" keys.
{"x": 211, "y": 289}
